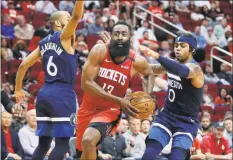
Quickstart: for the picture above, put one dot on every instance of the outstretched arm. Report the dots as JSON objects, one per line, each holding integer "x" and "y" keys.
{"x": 77, "y": 14}
{"x": 189, "y": 70}
{"x": 28, "y": 62}
{"x": 90, "y": 72}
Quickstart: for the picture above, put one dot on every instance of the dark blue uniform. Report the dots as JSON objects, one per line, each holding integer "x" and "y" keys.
{"x": 179, "y": 118}
{"x": 56, "y": 100}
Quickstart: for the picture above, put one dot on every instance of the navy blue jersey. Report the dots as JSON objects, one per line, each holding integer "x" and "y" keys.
{"x": 182, "y": 97}
{"x": 59, "y": 66}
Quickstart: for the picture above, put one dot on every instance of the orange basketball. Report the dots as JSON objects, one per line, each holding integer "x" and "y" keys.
{"x": 143, "y": 102}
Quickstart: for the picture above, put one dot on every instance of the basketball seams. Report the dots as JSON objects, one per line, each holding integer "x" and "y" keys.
{"x": 144, "y": 103}
{"x": 141, "y": 102}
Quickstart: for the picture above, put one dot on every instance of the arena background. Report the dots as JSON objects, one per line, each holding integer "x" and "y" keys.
{"x": 155, "y": 24}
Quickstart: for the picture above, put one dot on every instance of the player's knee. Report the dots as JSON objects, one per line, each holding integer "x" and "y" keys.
{"x": 88, "y": 142}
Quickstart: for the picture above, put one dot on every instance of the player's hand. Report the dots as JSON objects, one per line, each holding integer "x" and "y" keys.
{"x": 20, "y": 95}
{"x": 106, "y": 37}
{"x": 147, "y": 51}
{"x": 17, "y": 110}
{"x": 128, "y": 108}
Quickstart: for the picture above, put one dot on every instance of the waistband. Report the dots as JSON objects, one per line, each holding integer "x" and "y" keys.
{"x": 59, "y": 85}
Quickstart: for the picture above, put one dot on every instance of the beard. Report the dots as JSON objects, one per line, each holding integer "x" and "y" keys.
{"x": 205, "y": 128}
{"x": 119, "y": 49}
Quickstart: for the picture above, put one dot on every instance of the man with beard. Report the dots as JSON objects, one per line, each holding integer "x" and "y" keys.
{"x": 105, "y": 79}
{"x": 179, "y": 117}
{"x": 205, "y": 125}
{"x": 56, "y": 100}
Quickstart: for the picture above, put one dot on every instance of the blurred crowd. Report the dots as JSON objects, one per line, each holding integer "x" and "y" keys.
{"x": 26, "y": 22}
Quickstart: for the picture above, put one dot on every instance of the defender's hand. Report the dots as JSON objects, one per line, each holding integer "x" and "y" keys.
{"x": 106, "y": 37}
{"x": 148, "y": 52}
{"x": 128, "y": 108}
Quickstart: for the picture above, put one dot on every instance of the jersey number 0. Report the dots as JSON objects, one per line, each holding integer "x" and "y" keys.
{"x": 171, "y": 95}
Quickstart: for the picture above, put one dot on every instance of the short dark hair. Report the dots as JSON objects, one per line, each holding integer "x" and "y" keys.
{"x": 145, "y": 32}
{"x": 120, "y": 22}
{"x": 146, "y": 120}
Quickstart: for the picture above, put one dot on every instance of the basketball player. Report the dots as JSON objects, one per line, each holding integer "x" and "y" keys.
{"x": 56, "y": 100}
{"x": 105, "y": 79}
{"x": 179, "y": 118}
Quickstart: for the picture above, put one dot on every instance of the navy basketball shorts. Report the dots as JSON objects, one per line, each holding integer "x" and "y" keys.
{"x": 56, "y": 107}
{"x": 181, "y": 129}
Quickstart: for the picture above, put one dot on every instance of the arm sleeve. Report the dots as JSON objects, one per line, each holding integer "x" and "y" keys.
{"x": 6, "y": 101}
{"x": 174, "y": 67}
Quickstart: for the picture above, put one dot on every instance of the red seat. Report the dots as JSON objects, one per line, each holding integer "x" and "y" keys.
{"x": 228, "y": 87}
{"x": 214, "y": 94}
{"x": 13, "y": 68}
{"x": 91, "y": 40}
{"x": 4, "y": 70}
{"x": 27, "y": 16}
{"x": 160, "y": 94}
{"x": 183, "y": 14}
{"x": 78, "y": 80}
{"x": 221, "y": 110}
{"x": 213, "y": 87}
{"x": 34, "y": 88}
{"x": 14, "y": 64}
{"x": 138, "y": 88}
{"x": 208, "y": 49}
{"x": 37, "y": 66}
{"x": 38, "y": 19}
{"x": 160, "y": 102}
{"x": 188, "y": 27}
{"x": 136, "y": 82}
{"x": 31, "y": 100}
{"x": 208, "y": 108}
{"x": 33, "y": 43}
{"x": 215, "y": 118}
{"x": 34, "y": 75}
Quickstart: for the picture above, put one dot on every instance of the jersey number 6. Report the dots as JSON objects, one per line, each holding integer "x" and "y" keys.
{"x": 51, "y": 65}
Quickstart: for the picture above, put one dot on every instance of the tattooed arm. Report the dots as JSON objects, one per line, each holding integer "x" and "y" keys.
{"x": 157, "y": 69}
